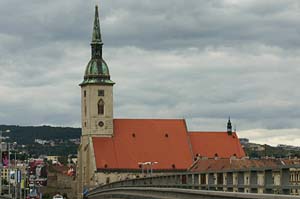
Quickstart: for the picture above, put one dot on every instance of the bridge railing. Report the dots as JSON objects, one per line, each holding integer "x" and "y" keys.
{"x": 175, "y": 193}
{"x": 209, "y": 181}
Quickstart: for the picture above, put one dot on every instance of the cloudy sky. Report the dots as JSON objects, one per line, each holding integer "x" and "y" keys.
{"x": 197, "y": 59}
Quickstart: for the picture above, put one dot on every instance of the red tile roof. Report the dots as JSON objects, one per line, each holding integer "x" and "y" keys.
{"x": 165, "y": 141}
{"x": 209, "y": 144}
{"x": 142, "y": 140}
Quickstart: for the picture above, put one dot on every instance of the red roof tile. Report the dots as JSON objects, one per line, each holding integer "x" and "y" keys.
{"x": 142, "y": 140}
{"x": 208, "y": 144}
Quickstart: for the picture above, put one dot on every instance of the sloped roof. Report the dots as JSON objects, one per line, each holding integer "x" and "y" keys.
{"x": 165, "y": 141}
{"x": 235, "y": 164}
{"x": 144, "y": 140}
{"x": 210, "y": 144}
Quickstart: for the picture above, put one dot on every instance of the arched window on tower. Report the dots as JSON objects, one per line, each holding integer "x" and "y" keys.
{"x": 101, "y": 107}
{"x": 85, "y": 109}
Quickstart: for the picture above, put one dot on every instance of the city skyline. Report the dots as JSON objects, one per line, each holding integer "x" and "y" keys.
{"x": 199, "y": 60}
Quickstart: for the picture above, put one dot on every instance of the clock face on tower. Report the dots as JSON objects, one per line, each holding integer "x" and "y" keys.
{"x": 101, "y": 124}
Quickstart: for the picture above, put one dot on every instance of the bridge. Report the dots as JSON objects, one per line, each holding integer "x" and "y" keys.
{"x": 191, "y": 185}
{"x": 164, "y": 187}
{"x": 176, "y": 193}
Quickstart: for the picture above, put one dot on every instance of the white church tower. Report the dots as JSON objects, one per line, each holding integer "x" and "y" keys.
{"x": 97, "y": 91}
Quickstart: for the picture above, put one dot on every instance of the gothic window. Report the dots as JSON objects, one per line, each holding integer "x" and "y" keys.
{"x": 101, "y": 107}
{"x": 85, "y": 109}
{"x": 100, "y": 92}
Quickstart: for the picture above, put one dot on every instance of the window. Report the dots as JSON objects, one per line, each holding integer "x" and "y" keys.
{"x": 85, "y": 109}
{"x": 84, "y": 93}
{"x": 100, "y": 107}
{"x": 107, "y": 180}
{"x": 100, "y": 92}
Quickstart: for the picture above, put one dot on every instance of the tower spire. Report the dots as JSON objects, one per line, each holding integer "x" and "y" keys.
{"x": 229, "y": 127}
{"x": 96, "y": 37}
{"x": 96, "y": 71}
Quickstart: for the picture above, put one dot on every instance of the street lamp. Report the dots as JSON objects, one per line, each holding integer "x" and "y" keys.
{"x": 148, "y": 166}
{"x": 142, "y": 167}
{"x": 151, "y": 168}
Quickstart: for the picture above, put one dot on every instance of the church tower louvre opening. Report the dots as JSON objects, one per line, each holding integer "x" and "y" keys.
{"x": 97, "y": 90}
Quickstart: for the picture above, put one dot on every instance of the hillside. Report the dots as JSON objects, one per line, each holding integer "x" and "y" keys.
{"x": 59, "y": 140}
{"x": 254, "y": 150}
{"x": 27, "y": 134}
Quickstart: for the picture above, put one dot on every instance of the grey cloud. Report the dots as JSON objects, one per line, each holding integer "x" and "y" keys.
{"x": 206, "y": 88}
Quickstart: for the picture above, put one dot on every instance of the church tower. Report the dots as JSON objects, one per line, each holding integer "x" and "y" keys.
{"x": 97, "y": 91}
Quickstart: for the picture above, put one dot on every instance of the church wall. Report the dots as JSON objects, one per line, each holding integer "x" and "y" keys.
{"x": 86, "y": 165}
{"x": 103, "y": 178}
{"x": 79, "y": 172}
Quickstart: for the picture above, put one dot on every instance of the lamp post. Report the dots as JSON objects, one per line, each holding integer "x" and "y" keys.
{"x": 151, "y": 168}
{"x": 148, "y": 167}
{"x": 142, "y": 167}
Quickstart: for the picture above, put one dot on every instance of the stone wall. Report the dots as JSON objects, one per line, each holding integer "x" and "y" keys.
{"x": 62, "y": 184}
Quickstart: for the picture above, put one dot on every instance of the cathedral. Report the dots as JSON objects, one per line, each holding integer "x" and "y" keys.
{"x": 116, "y": 149}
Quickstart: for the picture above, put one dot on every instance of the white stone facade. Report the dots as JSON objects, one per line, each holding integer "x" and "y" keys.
{"x": 95, "y": 123}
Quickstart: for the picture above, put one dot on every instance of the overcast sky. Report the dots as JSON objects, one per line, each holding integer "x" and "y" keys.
{"x": 197, "y": 59}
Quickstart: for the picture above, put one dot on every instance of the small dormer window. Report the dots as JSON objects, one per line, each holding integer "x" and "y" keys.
{"x": 101, "y": 93}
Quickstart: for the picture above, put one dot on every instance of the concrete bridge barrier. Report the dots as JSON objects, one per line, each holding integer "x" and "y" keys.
{"x": 175, "y": 193}
{"x": 204, "y": 185}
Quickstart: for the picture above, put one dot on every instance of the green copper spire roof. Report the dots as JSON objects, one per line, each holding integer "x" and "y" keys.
{"x": 96, "y": 71}
{"x": 96, "y": 38}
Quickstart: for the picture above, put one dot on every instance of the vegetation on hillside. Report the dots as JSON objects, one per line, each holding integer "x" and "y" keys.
{"x": 271, "y": 151}
{"x": 27, "y": 134}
